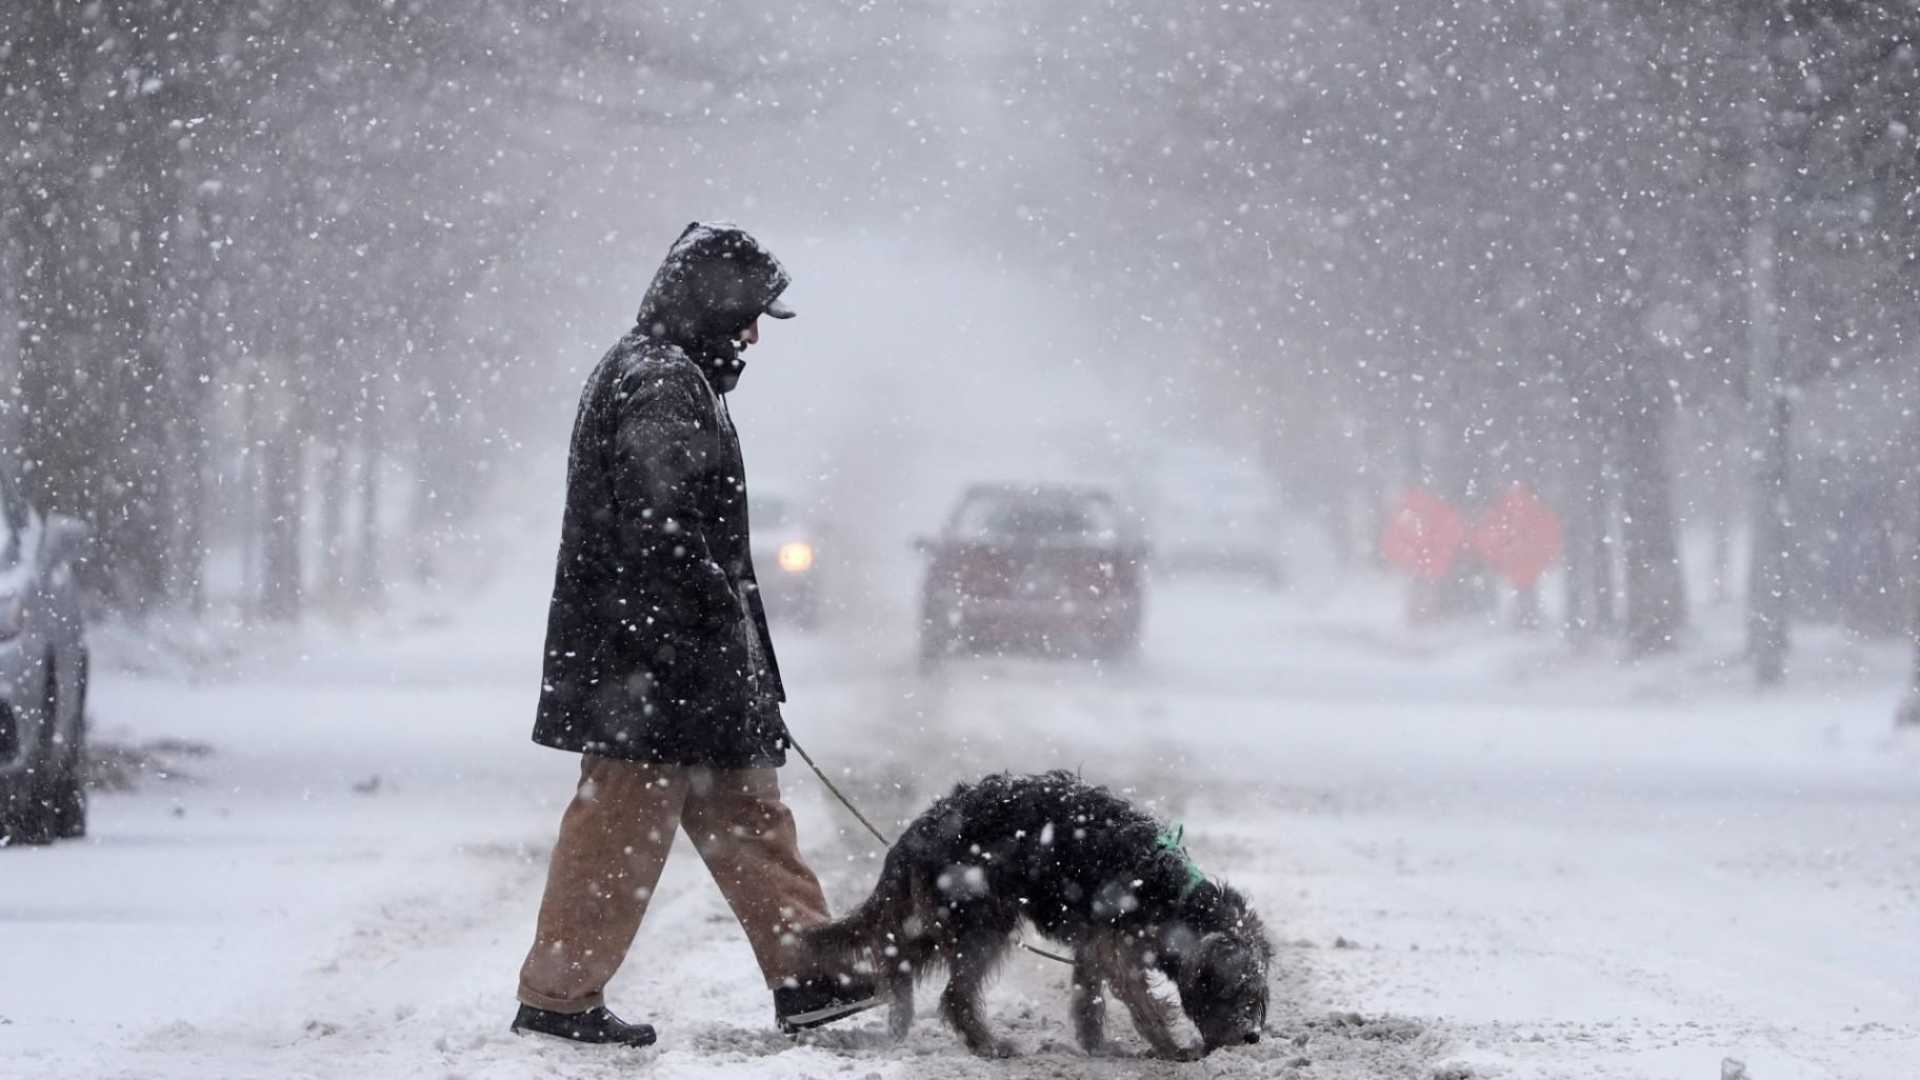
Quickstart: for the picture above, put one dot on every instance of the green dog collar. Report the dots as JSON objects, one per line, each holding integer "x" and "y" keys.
{"x": 1170, "y": 839}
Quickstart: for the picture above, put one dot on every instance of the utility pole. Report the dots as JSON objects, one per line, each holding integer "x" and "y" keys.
{"x": 1769, "y": 402}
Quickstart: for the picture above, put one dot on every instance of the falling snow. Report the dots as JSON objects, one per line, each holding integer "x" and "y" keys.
{"x": 1456, "y": 461}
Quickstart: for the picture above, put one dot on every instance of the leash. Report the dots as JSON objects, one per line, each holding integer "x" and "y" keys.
{"x": 844, "y": 801}
{"x": 882, "y": 837}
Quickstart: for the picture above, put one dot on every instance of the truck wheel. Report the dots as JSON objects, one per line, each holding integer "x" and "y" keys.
{"x": 69, "y": 795}
{"x": 67, "y": 806}
{"x": 60, "y": 792}
{"x": 23, "y": 815}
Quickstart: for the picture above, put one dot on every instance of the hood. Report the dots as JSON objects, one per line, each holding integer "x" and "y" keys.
{"x": 715, "y": 280}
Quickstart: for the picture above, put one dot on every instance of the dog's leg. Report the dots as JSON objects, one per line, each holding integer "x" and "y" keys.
{"x": 899, "y": 979}
{"x": 972, "y": 960}
{"x": 1089, "y": 998}
{"x": 1150, "y": 1015}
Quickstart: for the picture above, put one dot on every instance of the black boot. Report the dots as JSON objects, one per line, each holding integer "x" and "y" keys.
{"x": 596, "y": 1025}
{"x": 821, "y": 1000}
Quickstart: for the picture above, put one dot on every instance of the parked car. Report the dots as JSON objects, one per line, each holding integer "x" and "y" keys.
{"x": 43, "y": 674}
{"x": 1214, "y": 512}
{"x": 789, "y": 546}
{"x": 1054, "y": 567}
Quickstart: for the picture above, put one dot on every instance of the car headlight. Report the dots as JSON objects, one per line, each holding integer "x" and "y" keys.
{"x": 796, "y": 557}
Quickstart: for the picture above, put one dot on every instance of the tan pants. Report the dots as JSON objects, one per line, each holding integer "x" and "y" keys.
{"x": 613, "y": 843}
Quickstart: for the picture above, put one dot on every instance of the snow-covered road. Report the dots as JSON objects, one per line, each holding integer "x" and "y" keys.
{"x": 1505, "y": 863}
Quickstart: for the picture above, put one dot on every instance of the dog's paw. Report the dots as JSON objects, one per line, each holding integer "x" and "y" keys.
{"x": 1184, "y": 1053}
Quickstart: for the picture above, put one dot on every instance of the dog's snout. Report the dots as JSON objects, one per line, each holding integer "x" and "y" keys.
{"x": 1253, "y": 1036}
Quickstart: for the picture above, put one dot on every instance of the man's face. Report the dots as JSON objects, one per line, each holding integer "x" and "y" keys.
{"x": 750, "y": 335}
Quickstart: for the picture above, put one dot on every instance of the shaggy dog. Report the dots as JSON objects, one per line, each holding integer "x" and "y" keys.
{"x": 1084, "y": 867}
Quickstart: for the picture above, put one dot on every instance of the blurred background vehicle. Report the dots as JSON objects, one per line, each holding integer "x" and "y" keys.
{"x": 1213, "y": 511}
{"x": 1049, "y": 567}
{"x": 43, "y": 673}
{"x": 788, "y": 545}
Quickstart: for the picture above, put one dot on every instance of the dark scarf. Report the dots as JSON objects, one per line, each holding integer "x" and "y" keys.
{"x": 720, "y": 360}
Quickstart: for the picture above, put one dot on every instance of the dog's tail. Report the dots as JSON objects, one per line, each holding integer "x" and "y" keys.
{"x": 875, "y": 921}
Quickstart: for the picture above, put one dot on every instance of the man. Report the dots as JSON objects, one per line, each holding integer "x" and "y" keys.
{"x": 659, "y": 667}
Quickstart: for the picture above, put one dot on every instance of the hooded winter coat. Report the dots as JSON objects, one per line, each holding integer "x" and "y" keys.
{"x": 657, "y": 645}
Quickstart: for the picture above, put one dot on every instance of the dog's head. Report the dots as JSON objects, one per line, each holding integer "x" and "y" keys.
{"x": 1220, "y": 960}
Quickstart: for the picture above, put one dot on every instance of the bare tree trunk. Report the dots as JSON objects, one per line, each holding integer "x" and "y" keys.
{"x": 197, "y": 463}
{"x": 1601, "y": 404}
{"x": 1770, "y": 583}
{"x": 190, "y": 569}
{"x": 1576, "y": 596}
{"x": 252, "y": 497}
{"x": 1340, "y": 500}
{"x": 202, "y": 331}
{"x": 160, "y": 478}
{"x": 1650, "y": 535}
{"x": 281, "y": 570}
{"x": 368, "y": 573}
{"x": 1589, "y": 593}
{"x": 12, "y": 431}
{"x": 1720, "y": 547}
{"x": 1908, "y": 714}
{"x": 1769, "y": 597}
{"x": 425, "y": 528}
{"x": 1769, "y": 588}
{"x": 1606, "y": 615}
{"x": 333, "y": 519}
{"x": 187, "y": 439}
{"x": 1723, "y": 501}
